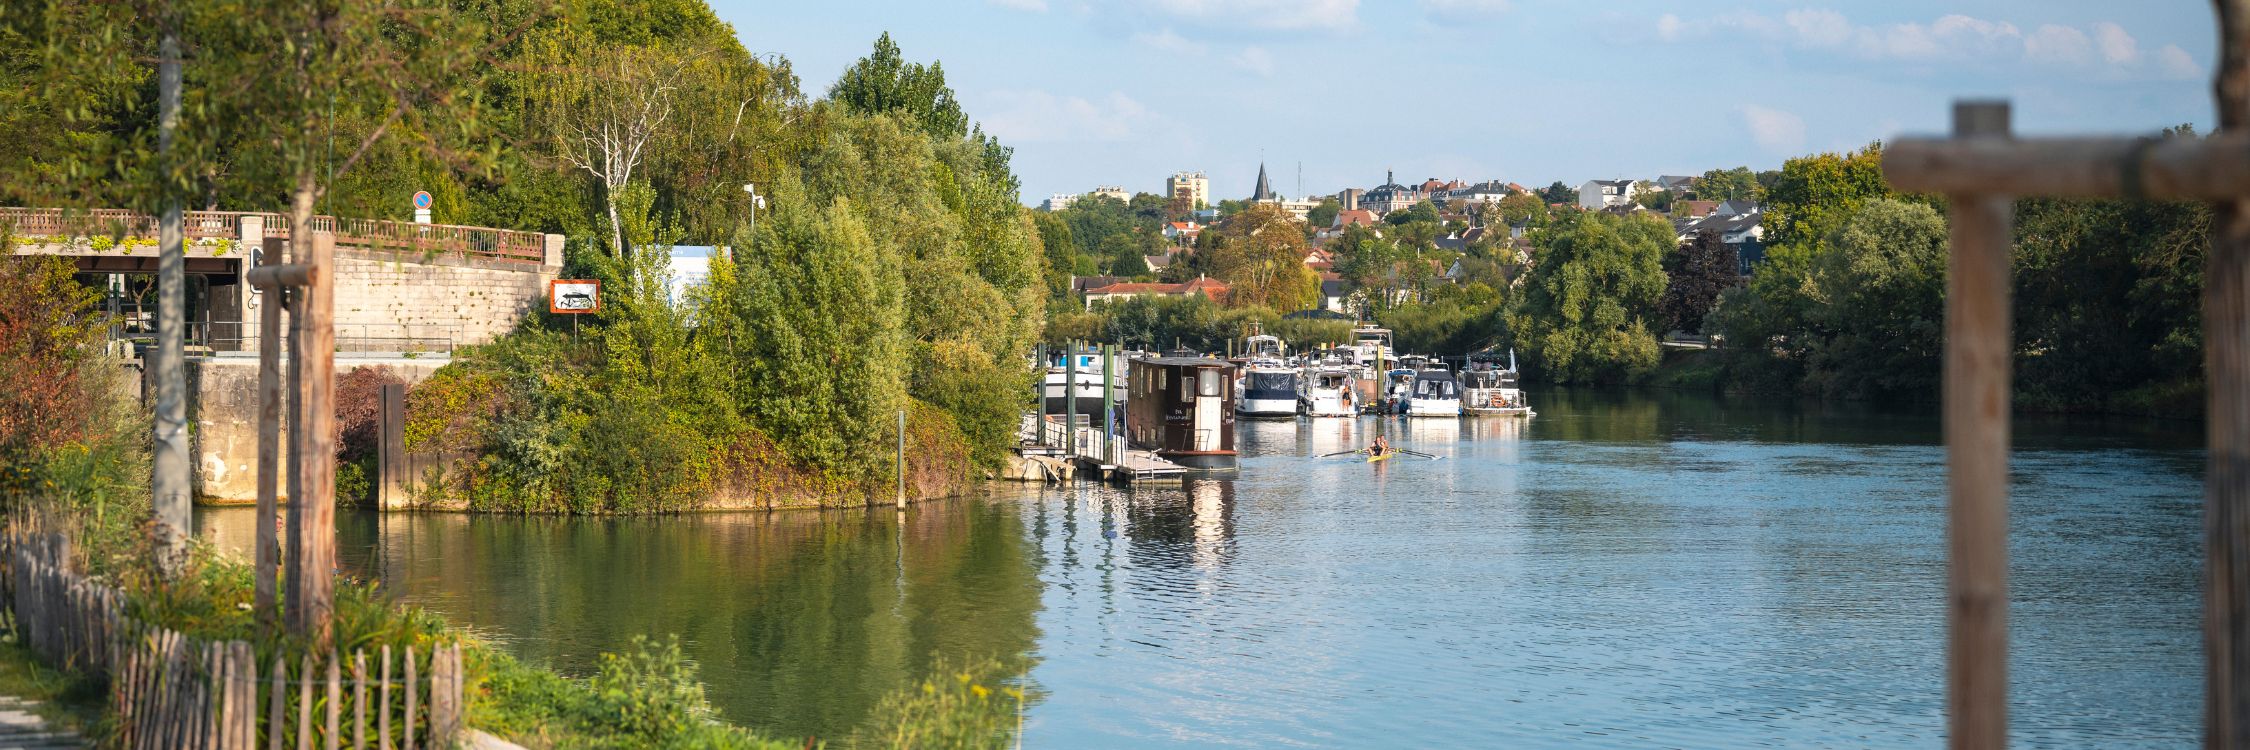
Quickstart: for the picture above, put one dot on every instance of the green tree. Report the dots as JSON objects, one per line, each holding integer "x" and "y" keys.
{"x": 1559, "y": 194}
{"x": 1881, "y": 320}
{"x": 1324, "y": 214}
{"x": 1589, "y": 303}
{"x": 1263, "y": 259}
{"x": 823, "y": 357}
{"x": 884, "y": 81}
{"x": 1738, "y": 183}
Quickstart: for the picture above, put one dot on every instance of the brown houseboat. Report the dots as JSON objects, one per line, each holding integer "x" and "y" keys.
{"x": 1182, "y": 408}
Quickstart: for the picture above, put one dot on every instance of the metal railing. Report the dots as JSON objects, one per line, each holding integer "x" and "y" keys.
{"x": 229, "y": 338}
{"x": 374, "y": 234}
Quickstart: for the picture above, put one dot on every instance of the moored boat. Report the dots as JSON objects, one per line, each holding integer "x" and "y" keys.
{"x": 1060, "y": 385}
{"x": 1434, "y": 394}
{"x": 1268, "y": 390}
{"x": 1488, "y": 389}
{"x": 1181, "y": 408}
{"x": 1329, "y": 391}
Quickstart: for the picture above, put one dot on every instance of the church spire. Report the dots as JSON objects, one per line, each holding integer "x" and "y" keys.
{"x": 1264, "y": 191}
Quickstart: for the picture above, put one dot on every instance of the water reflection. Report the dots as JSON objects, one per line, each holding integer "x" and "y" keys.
{"x": 802, "y": 621}
{"x": 1627, "y": 569}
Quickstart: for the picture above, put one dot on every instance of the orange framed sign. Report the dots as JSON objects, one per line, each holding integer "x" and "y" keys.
{"x": 574, "y": 296}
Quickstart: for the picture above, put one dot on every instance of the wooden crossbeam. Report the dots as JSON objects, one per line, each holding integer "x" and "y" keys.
{"x": 2213, "y": 168}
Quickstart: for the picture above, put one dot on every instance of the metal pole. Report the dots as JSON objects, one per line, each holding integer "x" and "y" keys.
{"x": 1978, "y": 351}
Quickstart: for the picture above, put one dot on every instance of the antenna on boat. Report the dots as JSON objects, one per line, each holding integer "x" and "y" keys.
{"x": 1512, "y": 359}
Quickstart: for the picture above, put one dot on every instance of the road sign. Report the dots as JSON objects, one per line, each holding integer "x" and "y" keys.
{"x": 574, "y": 296}
{"x": 422, "y": 199}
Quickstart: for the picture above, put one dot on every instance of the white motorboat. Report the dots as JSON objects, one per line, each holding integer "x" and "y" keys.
{"x": 1329, "y": 391}
{"x": 1487, "y": 389}
{"x": 1085, "y": 385}
{"x": 1269, "y": 390}
{"x": 1434, "y": 394}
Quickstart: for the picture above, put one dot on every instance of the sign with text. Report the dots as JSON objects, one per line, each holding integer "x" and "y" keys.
{"x": 574, "y": 296}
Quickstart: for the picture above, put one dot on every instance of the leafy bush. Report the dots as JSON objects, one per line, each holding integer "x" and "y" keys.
{"x": 968, "y": 705}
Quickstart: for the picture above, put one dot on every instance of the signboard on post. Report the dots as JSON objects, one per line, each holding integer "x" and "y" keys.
{"x": 422, "y": 203}
{"x": 574, "y": 296}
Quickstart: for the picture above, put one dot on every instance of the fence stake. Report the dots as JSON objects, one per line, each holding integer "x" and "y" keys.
{"x": 335, "y": 702}
{"x": 359, "y": 700}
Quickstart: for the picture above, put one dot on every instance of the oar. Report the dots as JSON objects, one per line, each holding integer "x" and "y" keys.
{"x": 1417, "y": 453}
{"x": 1340, "y": 453}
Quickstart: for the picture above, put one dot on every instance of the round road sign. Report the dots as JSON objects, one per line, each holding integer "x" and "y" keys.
{"x": 422, "y": 199}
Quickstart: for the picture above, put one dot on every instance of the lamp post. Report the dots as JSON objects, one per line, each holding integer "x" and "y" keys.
{"x": 756, "y": 202}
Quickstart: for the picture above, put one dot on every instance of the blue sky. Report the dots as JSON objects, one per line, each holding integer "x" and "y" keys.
{"x": 1103, "y": 92}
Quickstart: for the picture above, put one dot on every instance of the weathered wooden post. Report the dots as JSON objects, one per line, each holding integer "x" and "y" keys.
{"x": 269, "y": 439}
{"x": 312, "y": 504}
{"x": 2226, "y": 363}
{"x": 1070, "y": 398}
{"x": 1109, "y": 399}
{"x": 1979, "y": 346}
{"x": 901, "y": 500}
{"x": 390, "y": 454}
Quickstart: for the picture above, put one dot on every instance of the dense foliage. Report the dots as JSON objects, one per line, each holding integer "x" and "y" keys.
{"x": 1590, "y": 304}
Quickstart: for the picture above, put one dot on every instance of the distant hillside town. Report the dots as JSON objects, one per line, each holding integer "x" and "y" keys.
{"x": 1147, "y": 243}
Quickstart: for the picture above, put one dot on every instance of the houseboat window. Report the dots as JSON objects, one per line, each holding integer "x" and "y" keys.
{"x": 1212, "y": 383}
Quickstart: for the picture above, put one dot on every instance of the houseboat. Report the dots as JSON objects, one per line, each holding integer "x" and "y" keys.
{"x": 1434, "y": 394}
{"x": 1488, "y": 389}
{"x": 1085, "y": 386}
{"x": 1182, "y": 409}
{"x": 1329, "y": 391}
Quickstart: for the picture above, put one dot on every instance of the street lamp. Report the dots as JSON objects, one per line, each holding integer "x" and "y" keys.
{"x": 756, "y": 202}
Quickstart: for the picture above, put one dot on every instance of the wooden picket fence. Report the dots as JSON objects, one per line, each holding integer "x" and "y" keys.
{"x": 173, "y": 691}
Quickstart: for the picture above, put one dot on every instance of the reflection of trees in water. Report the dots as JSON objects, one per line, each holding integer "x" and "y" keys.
{"x": 801, "y": 621}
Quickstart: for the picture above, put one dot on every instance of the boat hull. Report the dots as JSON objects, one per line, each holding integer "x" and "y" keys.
{"x": 1266, "y": 408}
{"x": 1204, "y": 460}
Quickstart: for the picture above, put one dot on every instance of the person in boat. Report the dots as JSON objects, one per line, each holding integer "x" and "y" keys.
{"x": 1381, "y": 446}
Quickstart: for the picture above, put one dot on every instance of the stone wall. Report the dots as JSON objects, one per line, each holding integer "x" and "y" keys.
{"x": 223, "y": 417}
{"x": 401, "y": 302}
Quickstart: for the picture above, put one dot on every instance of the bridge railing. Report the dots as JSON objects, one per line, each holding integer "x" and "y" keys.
{"x": 374, "y": 234}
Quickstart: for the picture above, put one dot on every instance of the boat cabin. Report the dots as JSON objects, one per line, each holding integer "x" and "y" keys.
{"x": 1182, "y": 408}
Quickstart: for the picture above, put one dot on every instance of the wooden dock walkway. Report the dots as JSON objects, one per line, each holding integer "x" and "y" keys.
{"x": 1046, "y": 437}
{"x": 22, "y": 729}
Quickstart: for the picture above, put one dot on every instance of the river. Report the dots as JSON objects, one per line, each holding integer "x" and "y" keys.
{"x": 1629, "y": 569}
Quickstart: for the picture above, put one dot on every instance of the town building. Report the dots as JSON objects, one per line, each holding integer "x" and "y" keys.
{"x": 1211, "y": 289}
{"x": 1058, "y": 201}
{"x": 1349, "y": 198}
{"x": 1739, "y": 224}
{"x": 1191, "y": 186}
{"x": 1121, "y": 194}
{"x": 1596, "y": 195}
{"x": 1390, "y": 196}
{"x": 1182, "y": 233}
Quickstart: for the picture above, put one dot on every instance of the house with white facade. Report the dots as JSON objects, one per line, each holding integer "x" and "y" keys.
{"x": 1596, "y": 195}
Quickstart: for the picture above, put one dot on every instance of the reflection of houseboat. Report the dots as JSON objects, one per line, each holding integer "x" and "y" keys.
{"x": 1182, "y": 409}
{"x": 1329, "y": 392}
{"x": 1488, "y": 389}
{"x": 1088, "y": 383}
{"x": 1434, "y": 394}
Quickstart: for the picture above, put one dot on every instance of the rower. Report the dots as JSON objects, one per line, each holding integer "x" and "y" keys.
{"x": 1382, "y": 446}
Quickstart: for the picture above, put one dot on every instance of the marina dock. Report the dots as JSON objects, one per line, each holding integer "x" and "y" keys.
{"x": 1055, "y": 451}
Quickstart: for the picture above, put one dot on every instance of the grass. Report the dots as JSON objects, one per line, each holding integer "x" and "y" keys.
{"x": 65, "y": 701}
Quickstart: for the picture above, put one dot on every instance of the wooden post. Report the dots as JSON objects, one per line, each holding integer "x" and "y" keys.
{"x": 383, "y": 713}
{"x": 390, "y": 454}
{"x": 1109, "y": 400}
{"x": 1070, "y": 399}
{"x": 269, "y": 443}
{"x": 335, "y": 702}
{"x": 901, "y": 501}
{"x": 1978, "y": 348}
{"x": 312, "y": 503}
{"x": 359, "y": 700}
{"x": 2226, "y": 363}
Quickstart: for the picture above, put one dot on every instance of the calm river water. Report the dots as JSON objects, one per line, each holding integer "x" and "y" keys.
{"x": 1626, "y": 570}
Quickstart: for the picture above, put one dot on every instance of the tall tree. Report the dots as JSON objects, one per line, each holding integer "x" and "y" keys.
{"x": 1263, "y": 259}
{"x": 1589, "y": 303}
{"x": 1697, "y": 273}
{"x": 1727, "y": 185}
{"x": 606, "y": 114}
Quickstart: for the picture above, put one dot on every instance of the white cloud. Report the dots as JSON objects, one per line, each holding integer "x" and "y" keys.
{"x": 1165, "y": 40}
{"x": 1039, "y": 116}
{"x": 2061, "y": 45}
{"x": 1035, "y": 6}
{"x": 1464, "y": 11}
{"x": 1669, "y": 27}
{"x": 1256, "y": 60}
{"x": 2175, "y": 63}
{"x": 1268, "y": 15}
{"x": 1773, "y": 129}
{"x": 2102, "y": 46}
{"x": 2117, "y": 46}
